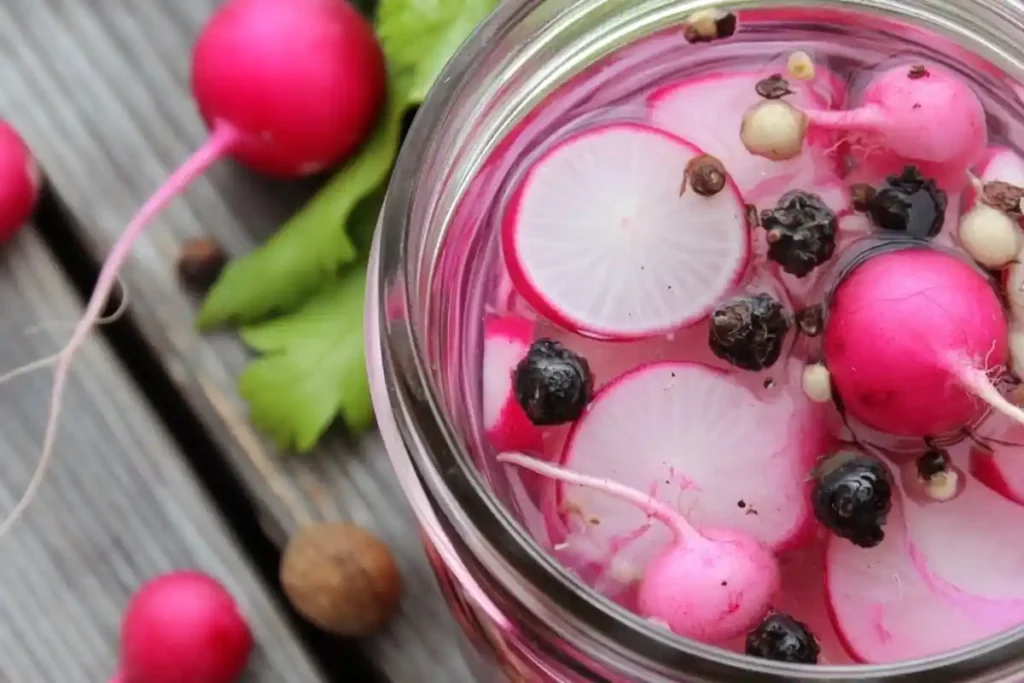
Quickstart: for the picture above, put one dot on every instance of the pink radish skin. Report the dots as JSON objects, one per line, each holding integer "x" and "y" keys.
{"x": 604, "y": 207}
{"x": 284, "y": 111}
{"x": 183, "y": 626}
{"x": 708, "y": 585}
{"x": 683, "y": 109}
{"x": 22, "y": 179}
{"x": 506, "y": 341}
{"x": 676, "y": 414}
{"x": 935, "y": 117}
{"x": 909, "y": 339}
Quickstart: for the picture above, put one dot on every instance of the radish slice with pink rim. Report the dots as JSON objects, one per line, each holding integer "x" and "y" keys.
{"x": 708, "y": 111}
{"x": 1001, "y": 466}
{"x": 507, "y": 339}
{"x": 598, "y": 238}
{"x": 700, "y": 441}
{"x": 888, "y": 607}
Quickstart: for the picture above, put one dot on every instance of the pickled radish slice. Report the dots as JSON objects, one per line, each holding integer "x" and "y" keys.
{"x": 708, "y": 112}
{"x": 887, "y": 607}
{"x": 802, "y": 596}
{"x": 973, "y": 543}
{"x": 507, "y": 338}
{"x": 599, "y": 238}
{"x": 1001, "y": 467}
{"x": 702, "y": 442}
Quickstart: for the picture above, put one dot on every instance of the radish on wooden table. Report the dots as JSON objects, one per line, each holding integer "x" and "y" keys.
{"x": 20, "y": 181}
{"x": 915, "y": 112}
{"x": 911, "y": 338}
{"x": 183, "y": 626}
{"x": 606, "y": 235}
{"x": 699, "y": 439}
{"x": 287, "y": 87}
{"x": 703, "y": 584}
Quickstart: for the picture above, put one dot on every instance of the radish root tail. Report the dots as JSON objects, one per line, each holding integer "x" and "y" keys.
{"x": 649, "y": 504}
{"x": 978, "y": 383}
{"x": 221, "y": 141}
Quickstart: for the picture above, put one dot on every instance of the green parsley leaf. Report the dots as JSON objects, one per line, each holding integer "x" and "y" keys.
{"x": 312, "y": 246}
{"x": 313, "y": 367}
{"x": 420, "y": 36}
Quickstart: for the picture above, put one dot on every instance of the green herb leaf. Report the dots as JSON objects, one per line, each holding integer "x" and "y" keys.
{"x": 313, "y": 367}
{"x": 420, "y": 36}
{"x": 313, "y": 246}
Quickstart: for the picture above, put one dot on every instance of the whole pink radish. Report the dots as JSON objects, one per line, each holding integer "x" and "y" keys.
{"x": 910, "y": 338}
{"x": 288, "y": 87}
{"x": 19, "y": 182}
{"x": 708, "y": 585}
{"x": 920, "y": 113}
{"x": 183, "y": 627}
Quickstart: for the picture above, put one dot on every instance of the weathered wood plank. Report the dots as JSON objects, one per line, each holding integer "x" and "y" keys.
{"x": 119, "y": 504}
{"x": 100, "y": 90}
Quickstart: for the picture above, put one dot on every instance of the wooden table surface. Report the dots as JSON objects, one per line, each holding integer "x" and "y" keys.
{"x": 156, "y": 467}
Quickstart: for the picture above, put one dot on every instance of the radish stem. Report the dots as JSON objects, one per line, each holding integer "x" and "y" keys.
{"x": 221, "y": 141}
{"x": 652, "y": 506}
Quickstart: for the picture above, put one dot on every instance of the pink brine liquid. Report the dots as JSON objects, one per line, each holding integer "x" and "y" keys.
{"x": 772, "y": 288}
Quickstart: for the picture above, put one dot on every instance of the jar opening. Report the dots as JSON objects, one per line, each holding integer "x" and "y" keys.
{"x": 522, "y": 79}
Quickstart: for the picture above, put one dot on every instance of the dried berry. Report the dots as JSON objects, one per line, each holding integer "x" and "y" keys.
{"x": 705, "y": 174}
{"x": 704, "y": 26}
{"x": 810, "y": 320}
{"x": 749, "y": 331}
{"x": 1003, "y": 196}
{"x": 200, "y": 263}
{"x": 933, "y": 461}
{"x": 852, "y": 497}
{"x": 552, "y": 384}
{"x": 909, "y": 203}
{"x": 773, "y": 88}
{"x": 782, "y": 638}
{"x": 801, "y": 232}
{"x": 341, "y": 578}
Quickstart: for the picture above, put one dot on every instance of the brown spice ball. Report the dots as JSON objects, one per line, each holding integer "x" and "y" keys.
{"x": 341, "y": 578}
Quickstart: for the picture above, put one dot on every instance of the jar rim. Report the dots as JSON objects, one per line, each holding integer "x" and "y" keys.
{"x": 483, "y": 529}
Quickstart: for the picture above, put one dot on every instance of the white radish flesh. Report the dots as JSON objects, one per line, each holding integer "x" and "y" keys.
{"x": 701, "y": 441}
{"x": 599, "y": 238}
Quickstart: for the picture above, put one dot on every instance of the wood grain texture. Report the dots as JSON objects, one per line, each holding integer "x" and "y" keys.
{"x": 100, "y": 91}
{"x": 118, "y": 507}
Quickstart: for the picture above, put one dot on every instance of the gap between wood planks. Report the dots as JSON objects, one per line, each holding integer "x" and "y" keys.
{"x": 339, "y": 659}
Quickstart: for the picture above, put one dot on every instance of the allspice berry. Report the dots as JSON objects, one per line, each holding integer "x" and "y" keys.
{"x": 341, "y": 579}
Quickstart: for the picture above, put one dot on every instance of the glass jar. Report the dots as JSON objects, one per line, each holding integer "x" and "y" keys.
{"x": 527, "y": 618}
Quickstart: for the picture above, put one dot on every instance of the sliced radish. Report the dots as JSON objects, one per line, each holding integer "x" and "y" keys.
{"x": 701, "y": 441}
{"x": 887, "y": 608}
{"x": 507, "y": 338}
{"x": 598, "y": 238}
{"x": 708, "y": 111}
{"x": 973, "y": 543}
